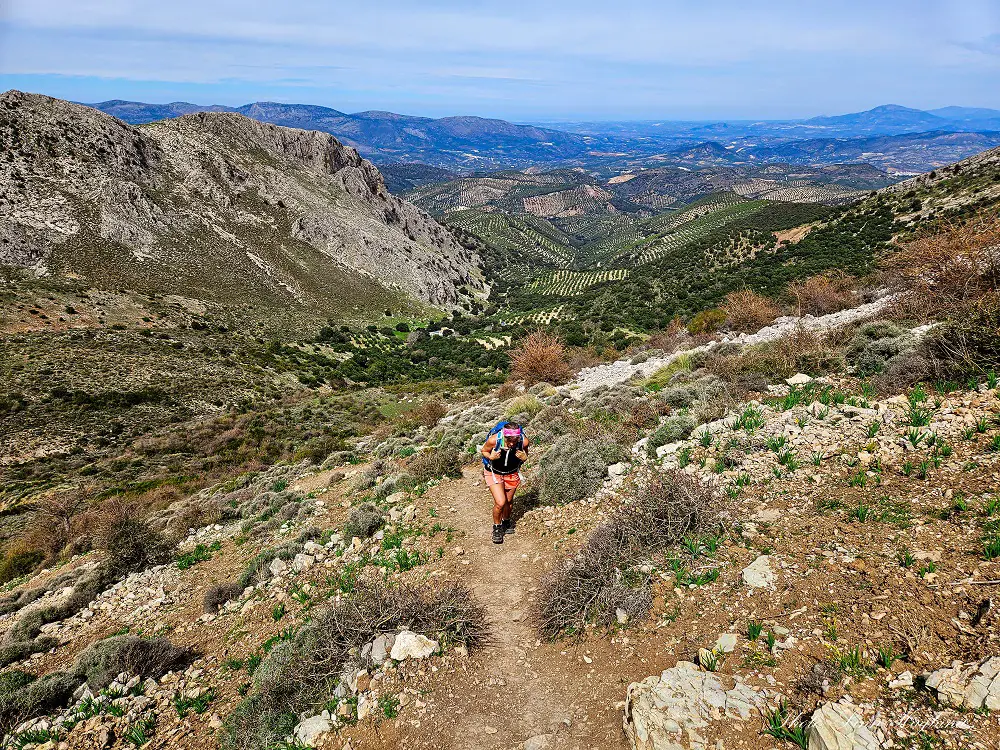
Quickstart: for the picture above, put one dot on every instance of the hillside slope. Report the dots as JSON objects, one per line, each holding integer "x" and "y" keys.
{"x": 218, "y": 207}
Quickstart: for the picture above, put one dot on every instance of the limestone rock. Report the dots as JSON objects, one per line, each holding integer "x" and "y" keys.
{"x": 971, "y": 686}
{"x": 799, "y": 378}
{"x": 381, "y": 647}
{"x": 277, "y": 566}
{"x": 309, "y": 730}
{"x": 672, "y": 711}
{"x": 409, "y": 645}
{"x": 726, "y": 643}
{"x": 758, "y": 574}
{"x": 839, "y": 726}
{"x": 303, "y": 562}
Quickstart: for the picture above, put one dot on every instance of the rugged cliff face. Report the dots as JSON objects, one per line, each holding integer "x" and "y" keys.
{"x": 216, "y": 206}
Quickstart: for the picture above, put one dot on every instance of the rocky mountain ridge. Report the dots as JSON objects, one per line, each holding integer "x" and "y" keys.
{"x": 218, "y": 207}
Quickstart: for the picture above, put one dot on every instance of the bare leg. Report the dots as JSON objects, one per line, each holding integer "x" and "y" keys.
{"x": 499, "y": 500}
{"x": 509, "y": 507}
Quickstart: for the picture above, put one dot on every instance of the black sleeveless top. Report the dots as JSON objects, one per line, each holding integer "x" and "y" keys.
{"x": 508, "y": 463}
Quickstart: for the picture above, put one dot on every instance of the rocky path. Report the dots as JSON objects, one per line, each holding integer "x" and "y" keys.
{"x": 518, "y": 693}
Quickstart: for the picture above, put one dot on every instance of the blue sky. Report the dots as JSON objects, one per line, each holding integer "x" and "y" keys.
{"x": 541, "y": 60}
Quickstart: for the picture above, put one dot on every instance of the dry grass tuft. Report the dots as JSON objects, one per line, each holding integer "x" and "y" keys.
{"x": 823, "y": 294}
{"x": 945, "y": 274}
{"x": 302, "y": 672}
{"x": 748, "y": 311}
{"x": 540, "y": 358}
{"x": 101, "y": 662}
{"x": 590, "y": 587}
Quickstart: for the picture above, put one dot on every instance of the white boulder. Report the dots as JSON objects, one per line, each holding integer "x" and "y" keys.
{"x": 758, "y": 574}
{"x": 839, "y": 726}
{"x": 410, "y": 645}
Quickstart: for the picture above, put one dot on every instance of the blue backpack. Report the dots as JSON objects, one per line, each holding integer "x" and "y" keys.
{"x": 498, "y": 430}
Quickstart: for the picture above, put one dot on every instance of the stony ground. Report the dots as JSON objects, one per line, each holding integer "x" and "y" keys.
{"x": 853, "y": 580}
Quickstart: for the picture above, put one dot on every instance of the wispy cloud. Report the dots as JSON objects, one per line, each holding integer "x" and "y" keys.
{"x": 518, "y": 59}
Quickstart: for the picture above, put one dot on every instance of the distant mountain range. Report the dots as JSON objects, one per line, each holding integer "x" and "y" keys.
{"x": 892, "y": 137}
{"x": 385, "y": 137}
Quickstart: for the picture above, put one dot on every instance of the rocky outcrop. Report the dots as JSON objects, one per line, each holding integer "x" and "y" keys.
{"x": 212, "y": 203}
{"x": 674, "y": 711}
{"x": 839, "y": 726}
{"x": 970, "y": 686}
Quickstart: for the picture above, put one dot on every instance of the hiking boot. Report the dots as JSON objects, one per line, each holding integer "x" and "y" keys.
{"x": 498, "y": 533}
{"x": 508, "y": 526}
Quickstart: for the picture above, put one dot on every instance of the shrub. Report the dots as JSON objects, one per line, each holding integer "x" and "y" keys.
{"x": 665, "y": 375}
{"x": 602, "y": 578}
{"x": 870, "y": 352}
{"x": 132, "y": 546}
{"x": 524, "y": 407}
{"x": 749, "y": 311}
{"x": 707, "y": 321}
{"x": 101, "y": 662}
{"x": 822, "y": 294}
{"x": 676, "y": 427}
{"x": 19, "y": 560}
{"x": 257, "y": 569}
{"x": 968, "y": 344}
{"x": 574, "y": 468}
{"x": 679, "y": 396}
{"x": 949, "y": 272}
{"x": 434, "y": 464}
{"x": 19, "y": 600}
{"x": 12, "y": 652}
{"x": 23, "y": 696}
{"x": 429, "y": 413}
{"x": 802, "y": 351}
{"x": 219, "y": 594}
{"x": 87, "y": 587}
{"x": 301, "y": 673}
{"x": 541, "y": 357}
{"x": 363, "y": 521}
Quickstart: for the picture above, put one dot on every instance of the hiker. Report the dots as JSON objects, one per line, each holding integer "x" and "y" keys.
{"x": 505, "y": 450}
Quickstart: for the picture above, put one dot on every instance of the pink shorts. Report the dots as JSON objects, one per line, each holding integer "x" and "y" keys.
{"x": 509, "y": 481}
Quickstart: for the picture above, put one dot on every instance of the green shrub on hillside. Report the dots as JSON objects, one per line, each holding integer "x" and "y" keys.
{"x": 101, "y": 662}
{"x": 575, "y": 466}
{"x": 363, "y": 521}
{"x": 676, "y": 427}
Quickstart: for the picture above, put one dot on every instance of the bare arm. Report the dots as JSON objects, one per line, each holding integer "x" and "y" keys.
{"x": 489, "y": 448}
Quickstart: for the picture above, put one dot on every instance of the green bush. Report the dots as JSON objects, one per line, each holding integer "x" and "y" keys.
{"x": 19, "y": 562}
{"x": 575, "y": 467}
{"x": 434, "y": 464}
{"x": 133, "y": 546}
{"x": 23, "y": 696}
{"x": 707, "y": 321}
{"x": 101, "y": 662}
{"x": 363, "y": 521}
{"x": 874, "y": 345}
{"x": 15, "y": 651}
{"x": 676, "y": 427}
{"x": 679, "y": 396}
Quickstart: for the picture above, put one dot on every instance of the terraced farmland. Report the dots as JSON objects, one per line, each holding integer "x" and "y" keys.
{"x": 572, "y": 283}
{"x": 799, "y": 191}
{"x": 523, "y": 236}
{"x": 695, "y": 229}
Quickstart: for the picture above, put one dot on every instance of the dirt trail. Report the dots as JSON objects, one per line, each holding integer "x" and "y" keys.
{"x": 518, "y": 688}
